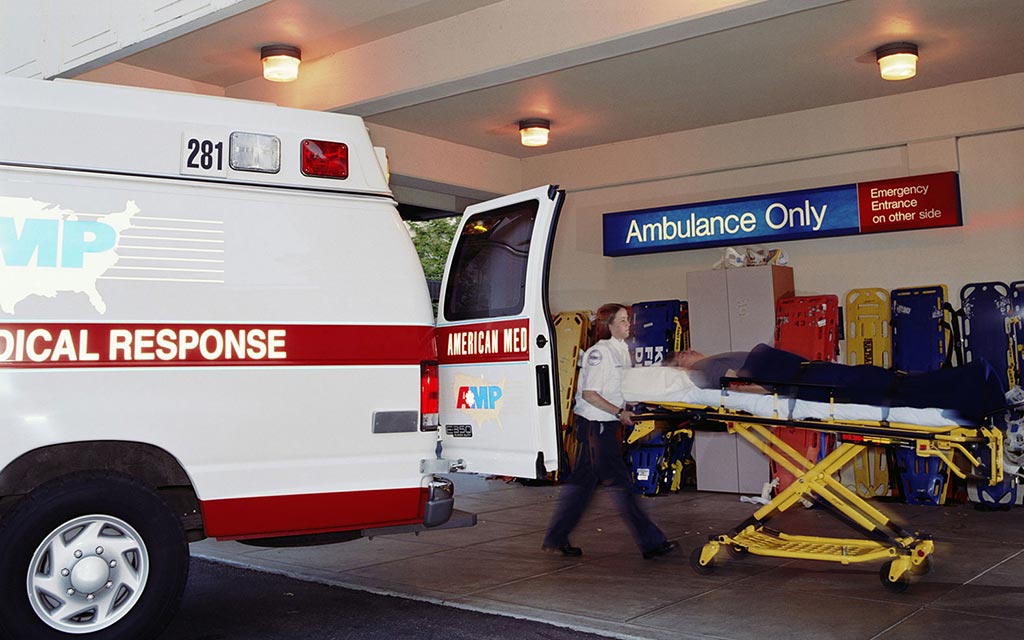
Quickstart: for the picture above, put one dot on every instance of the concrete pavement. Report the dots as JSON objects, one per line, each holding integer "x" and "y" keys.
{"x": 973, "y": 591}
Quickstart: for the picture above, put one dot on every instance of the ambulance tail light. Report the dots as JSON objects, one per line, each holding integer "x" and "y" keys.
{"x": 325, "y": 159}
{"x": 428, "y": 396}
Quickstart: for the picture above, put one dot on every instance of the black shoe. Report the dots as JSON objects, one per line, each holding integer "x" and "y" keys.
{"x": 566, "y": 550}
{"x": 662, "y": 549}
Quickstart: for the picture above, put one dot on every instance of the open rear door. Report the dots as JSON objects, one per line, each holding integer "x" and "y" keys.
{"x": 497, "y": 384}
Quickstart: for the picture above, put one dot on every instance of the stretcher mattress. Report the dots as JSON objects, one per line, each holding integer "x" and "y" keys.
{"x": 670, "y": 384}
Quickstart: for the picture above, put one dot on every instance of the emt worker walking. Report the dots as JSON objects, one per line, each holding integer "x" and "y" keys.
{"x": 600, "y": 409}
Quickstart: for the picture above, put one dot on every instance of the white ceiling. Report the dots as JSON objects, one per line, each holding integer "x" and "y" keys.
{"x": 811, "y": 58}
{"x": 225, "y": 53}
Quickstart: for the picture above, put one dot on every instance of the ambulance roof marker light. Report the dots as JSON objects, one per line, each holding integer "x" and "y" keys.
{"x": 254, "y": 152}
{"x": 324, "y": 159}
{"x": 280, "y": 62}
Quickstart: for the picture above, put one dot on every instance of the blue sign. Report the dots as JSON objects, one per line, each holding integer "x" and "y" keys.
{"x": 792, "y": 215}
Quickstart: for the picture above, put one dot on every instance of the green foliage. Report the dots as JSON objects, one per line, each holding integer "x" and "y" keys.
{"x": 433, "y": 238}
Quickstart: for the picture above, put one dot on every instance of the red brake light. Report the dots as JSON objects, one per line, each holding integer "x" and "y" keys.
{"x": 324, "y": 159}
{"x": 428, "y": 396}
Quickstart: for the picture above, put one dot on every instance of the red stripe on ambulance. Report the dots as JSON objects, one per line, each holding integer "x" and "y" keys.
{"x": 504, "y": 341}
{"x": 65, "y": 345}
{"x": 258, "y": 517}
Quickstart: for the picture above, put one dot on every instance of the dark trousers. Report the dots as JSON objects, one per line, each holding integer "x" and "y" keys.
{"x": 599, "y": 458}
{"x": 972, "y": 390}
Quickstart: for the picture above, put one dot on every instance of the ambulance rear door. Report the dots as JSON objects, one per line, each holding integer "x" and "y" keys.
{"x": 498, "y": 384}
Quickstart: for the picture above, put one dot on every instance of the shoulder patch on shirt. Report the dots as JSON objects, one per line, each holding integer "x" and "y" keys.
{"x": 594, "y": 358}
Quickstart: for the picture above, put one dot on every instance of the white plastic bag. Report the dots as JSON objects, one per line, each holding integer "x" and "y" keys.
{"x": 730, "y": 259}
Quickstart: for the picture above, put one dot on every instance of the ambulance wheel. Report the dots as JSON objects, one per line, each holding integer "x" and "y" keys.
{"x": 90, "y": 555}
{"x": 701, "y": 569}
{"x": 900, "y": 585}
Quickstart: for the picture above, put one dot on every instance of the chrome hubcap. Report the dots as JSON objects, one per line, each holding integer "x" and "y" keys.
{"x": 87, "y": 574}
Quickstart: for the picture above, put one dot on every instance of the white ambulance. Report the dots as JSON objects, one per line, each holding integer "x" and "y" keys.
{"x": 213, "y": 323}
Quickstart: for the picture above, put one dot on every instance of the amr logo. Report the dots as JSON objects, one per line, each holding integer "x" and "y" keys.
{"x": 53, "y": 242}
{"x": 482, "y": 397}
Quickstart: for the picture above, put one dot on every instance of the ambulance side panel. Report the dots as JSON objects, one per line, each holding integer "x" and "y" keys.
{"x": 311, "y": 424}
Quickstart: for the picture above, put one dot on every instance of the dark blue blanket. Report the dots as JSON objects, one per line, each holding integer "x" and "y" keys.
{"x": 972, "y": 390}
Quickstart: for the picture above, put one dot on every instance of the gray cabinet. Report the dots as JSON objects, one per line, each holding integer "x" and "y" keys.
{"x": 733, "y": 310}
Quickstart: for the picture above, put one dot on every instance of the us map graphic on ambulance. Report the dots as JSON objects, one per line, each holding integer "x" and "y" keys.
{"x": 46, "y": 250}
{"x": 482, "y": 399}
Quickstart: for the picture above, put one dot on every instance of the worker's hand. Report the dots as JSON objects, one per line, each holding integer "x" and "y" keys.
{"x": 626, "y": 417}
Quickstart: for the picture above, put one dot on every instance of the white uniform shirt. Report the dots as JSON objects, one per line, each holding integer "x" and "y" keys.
{"x": 603, "y": 365}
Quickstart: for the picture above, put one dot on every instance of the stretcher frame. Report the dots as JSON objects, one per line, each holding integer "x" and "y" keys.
{"x": 652, "y": 328}
{"x": 868, "y": 327}
{"x": 903, "y": 552}
{"x": 809, "y": 326}
{"x": 571, "y": 331}
{"x": 921, "y": 326}
{"x": 986, "y": 332}
{"x": 1015, "y": 327}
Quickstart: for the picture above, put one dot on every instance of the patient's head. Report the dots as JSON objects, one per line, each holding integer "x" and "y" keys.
{"x": 683, "y": 359}
{"x": 688, "y": 358}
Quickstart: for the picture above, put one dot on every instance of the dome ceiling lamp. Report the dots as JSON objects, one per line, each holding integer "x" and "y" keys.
{"x": 897, "y": 61}
{"x": 280, "y": 62}
{"x": 533, "y": 132}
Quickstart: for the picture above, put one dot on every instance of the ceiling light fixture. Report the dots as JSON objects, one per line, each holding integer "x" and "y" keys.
{"x": 897, "y": 61}
{"x": 280, "y": 62}
{"x": 533, "y": 132}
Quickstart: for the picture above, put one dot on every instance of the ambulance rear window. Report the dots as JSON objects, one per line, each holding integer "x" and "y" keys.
{"x": 487, "y": 278}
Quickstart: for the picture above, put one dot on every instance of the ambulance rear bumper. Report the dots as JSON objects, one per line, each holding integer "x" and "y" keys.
{"x": 440, "y": 502}
{"x": 438, "y": 513}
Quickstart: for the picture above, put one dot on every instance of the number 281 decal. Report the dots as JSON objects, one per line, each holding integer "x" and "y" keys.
{"x": 205, "y": 154}
{"x": 202, "y": 154}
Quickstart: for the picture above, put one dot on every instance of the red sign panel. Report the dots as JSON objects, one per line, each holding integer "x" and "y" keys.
{"x": 919, "y": 202}
{"x": 503, "y": 341}
{"x": 61, "y": 345}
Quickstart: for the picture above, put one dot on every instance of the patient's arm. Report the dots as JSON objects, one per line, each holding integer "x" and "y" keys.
{"x": 743, "y": 385}
{"x": 748, "y": 387}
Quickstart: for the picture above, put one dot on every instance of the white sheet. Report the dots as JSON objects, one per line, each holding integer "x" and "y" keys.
{"x": 656, "y": 384}
{"x": 669, "y": 384}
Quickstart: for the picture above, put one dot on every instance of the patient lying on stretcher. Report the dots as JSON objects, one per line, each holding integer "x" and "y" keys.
{"x": 968, "y": 392}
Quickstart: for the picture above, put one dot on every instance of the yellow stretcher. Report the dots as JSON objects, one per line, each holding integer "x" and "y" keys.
{"x": 903, "y": 552}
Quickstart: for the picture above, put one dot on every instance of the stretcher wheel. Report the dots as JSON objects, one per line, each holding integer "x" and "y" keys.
{"x": 900, "y": 585}
{"x": 701, "y": 569}
{"x": 922, "y": 569}
{"x": 736, "y": 551}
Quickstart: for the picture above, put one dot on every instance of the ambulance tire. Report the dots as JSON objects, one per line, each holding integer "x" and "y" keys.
{"x": 85, "y": 511}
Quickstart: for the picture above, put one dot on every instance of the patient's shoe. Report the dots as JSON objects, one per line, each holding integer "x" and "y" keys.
{"x": 566, "y": 550}
{"x": 662, "y": 549}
